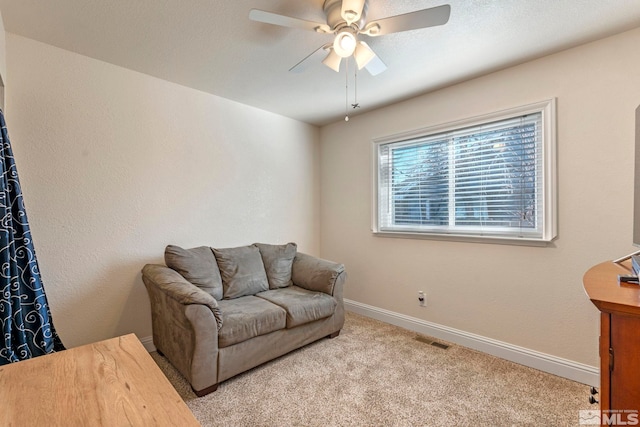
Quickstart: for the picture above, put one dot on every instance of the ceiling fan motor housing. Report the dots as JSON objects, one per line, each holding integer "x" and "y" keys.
{"x": 333, "y": 11}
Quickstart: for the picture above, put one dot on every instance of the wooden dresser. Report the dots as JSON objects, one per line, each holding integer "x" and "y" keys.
{"x": 108, "y": 383}
{"x": 619, "y": 305}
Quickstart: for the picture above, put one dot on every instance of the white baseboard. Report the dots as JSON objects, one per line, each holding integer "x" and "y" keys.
{"x": 544, "y": 362}
{"x": 147, "y": 342}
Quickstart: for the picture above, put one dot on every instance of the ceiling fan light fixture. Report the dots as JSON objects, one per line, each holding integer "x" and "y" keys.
{"x": 347, "y": 20}
{"x": 332, "y": 60}
{"x": 345, "y": 43}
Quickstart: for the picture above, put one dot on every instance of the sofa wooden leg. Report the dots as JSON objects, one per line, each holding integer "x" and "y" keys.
{"x": 333, "y": 335}
{"x": 205, "y": 391}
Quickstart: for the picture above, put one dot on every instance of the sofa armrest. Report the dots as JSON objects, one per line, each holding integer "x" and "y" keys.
{"x": 177, "y": 287}
{"x": 317, "y": 274}
{"x": 185, "y": 321}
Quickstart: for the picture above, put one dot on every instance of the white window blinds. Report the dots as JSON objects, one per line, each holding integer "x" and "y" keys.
{"x": 483, "y": 180}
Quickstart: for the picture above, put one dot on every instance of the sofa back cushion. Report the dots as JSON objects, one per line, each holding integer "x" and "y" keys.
{"x": 278, "y": 260}
{"x": 198, "y": 266}
{"x": 242, "y": 271}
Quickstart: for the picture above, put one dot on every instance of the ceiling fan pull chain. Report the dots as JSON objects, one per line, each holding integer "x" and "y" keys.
{"x": 346, "y": 90}
{"x": 355, "y": 89}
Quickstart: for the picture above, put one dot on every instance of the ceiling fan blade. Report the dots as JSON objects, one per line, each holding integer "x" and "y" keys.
{"x": 333, "y": 60}
{"x": 287, "y": 21}
{"x": 304, "y": 64}
{"x": 409, "y": 21}
{"x": 352, "y": 10}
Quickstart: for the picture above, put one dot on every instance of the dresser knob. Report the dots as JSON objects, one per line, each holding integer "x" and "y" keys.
{"x": 594, "y": 390}
{"x": 592, "y": 400}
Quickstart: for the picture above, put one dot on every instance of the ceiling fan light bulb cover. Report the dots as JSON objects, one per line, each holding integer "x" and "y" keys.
{"x": 344, "y": 44}
{"x": 363, "y": 55}
{"x": 332, "y": 60}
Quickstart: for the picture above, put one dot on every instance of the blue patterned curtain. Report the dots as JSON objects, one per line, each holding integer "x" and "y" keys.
{"x": 25, "y": 319}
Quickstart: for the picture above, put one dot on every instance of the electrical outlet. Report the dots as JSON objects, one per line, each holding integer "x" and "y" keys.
{"x": 422, "y": 299}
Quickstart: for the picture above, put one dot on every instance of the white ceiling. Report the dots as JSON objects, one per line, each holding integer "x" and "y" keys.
{"x": 211, "y": 45}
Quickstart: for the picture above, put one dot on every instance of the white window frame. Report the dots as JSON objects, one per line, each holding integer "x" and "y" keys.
{"x": 548, "y": 209}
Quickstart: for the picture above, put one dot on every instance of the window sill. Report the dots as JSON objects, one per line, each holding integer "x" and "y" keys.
{"x": 466, "y": 238}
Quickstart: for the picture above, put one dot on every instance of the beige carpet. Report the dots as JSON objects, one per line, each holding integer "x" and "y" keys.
{"x": 375, "y": 374}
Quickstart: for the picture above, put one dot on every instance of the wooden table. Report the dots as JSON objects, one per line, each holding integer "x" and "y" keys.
{"x": 108, "y": 383}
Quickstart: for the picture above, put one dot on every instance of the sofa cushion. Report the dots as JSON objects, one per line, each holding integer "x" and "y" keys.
{"x": 247, "y": 317}
{"x": 278, "y": 260}
{"x": 302, "y": 306}
{"x": 198, "y": 266}
{"x": 242, "y": 271}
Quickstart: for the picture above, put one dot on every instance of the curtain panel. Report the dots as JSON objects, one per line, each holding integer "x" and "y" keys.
{"x": 25, "y": 318}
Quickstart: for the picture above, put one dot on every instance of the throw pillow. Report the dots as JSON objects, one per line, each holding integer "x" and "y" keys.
{"x": 198, "y": 266}
{"x": 242, "y": 271}
{"x": 278, "y": 260}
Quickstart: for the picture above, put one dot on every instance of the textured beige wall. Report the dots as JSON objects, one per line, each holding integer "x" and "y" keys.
{"x": 116, "y": 164}
{"x": 527, "y": 296}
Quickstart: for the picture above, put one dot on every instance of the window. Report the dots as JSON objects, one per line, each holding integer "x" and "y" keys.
{"x": 489, "y": 177}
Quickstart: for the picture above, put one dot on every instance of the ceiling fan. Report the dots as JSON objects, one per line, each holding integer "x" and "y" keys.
{"x": 347, "y": 19}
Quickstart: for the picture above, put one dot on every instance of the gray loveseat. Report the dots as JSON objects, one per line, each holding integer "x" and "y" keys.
{"x": 219, "y": 312}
